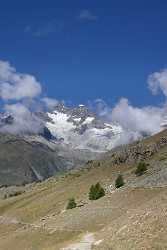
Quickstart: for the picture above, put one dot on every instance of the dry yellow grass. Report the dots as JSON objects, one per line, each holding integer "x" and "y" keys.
{"x": 125, "y": 219}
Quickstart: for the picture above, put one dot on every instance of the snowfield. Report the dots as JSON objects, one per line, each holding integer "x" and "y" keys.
{"x": 83, "y": 132}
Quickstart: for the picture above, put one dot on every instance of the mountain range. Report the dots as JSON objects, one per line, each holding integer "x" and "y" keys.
{"x": 82, "y": 129}
{"x": 68, "y": 138}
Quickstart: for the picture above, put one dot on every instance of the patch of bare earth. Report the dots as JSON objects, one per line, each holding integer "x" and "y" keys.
{"x": 84, "y": 244}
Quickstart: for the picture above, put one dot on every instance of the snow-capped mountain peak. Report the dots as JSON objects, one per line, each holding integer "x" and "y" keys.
{"x": 76, "y": 127}
{"x": 81, "y": 129}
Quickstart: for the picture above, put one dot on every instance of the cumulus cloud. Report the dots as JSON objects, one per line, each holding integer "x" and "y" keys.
{"x": 148, "y": 120}
{"x": 17, "y": 86}
{"x": 100, "y": 107}
{"x": 50, "y": 103}
{"x": 19, "y": 92}
{"x": 138, "y": 122}
{"x": 87, "y": 15}
{"x": 24, "y": 122}
{"x": 158, "y": 81}
{"x": 145, "y": 120}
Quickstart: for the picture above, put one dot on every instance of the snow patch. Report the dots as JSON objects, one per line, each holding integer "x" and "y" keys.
{"x": 88, "y": 120}
{"x": 60, "y": 126}
{"x": 77, "y": 120}
{"x": 63, "y": 125}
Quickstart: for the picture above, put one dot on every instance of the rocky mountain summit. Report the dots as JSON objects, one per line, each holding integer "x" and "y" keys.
{"x": 76, "y": 127}
{"x": 82, "y": 129}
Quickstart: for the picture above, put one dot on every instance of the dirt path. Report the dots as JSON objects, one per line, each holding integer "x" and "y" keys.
{"x": 85, "y": 243}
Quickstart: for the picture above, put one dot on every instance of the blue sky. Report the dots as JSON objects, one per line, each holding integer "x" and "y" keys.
{"x": 83, "y": 50}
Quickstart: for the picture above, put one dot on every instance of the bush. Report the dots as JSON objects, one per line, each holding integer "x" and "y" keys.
{"x": 141, "y": 168}
{"x": 119, "y": 182}
{"x": 71, "y": 203}
{"x": 15, "y": 193}
{"x": 96, "y": 192}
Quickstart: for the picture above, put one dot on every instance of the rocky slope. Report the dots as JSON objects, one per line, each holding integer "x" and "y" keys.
{"x": 25, "y": 159}
{"x": 137, "y": 151}
{"x": 132, "y": 217}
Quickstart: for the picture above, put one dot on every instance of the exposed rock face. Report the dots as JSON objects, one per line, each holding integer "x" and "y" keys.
{"x": 47, "y": 134}
{"x": 136, "y": 152}
{"x": 23, "y": 162}
{"x": 26, "y": 159}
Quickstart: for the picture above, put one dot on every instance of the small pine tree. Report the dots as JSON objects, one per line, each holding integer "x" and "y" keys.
{"x": 96, "y": 192}
{"x": 119, "y": 182}
{"x": 141, "y": 168}
{"x": 71, "y": 203}
{"x": 92, "y": 192}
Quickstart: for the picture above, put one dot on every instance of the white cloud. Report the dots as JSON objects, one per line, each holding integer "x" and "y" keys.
{"x": 87, "y": 15}
{"x": 100, "y": 107}
{"x": 17, "y": 86}
{"x": 24, "y": 121}
{"x": 136, "y": 121}
{"x": 145, "y": 120}
{"x": 158, "y": 81}
{"x": 50, "y": 103}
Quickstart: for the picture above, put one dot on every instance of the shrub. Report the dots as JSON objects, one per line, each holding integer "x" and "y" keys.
{"x": 15, "y": 193}
{"x": 141, "y": 168}
{"x": 96, "y": 192}
{"x": 119, "y": 182}
{"x": 71, "y": 203}
{"x": 89, "y": 162}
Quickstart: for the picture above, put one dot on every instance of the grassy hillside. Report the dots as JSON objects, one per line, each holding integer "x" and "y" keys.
{"x": 132, "y": 217}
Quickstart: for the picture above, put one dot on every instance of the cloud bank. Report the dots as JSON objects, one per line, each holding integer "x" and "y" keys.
{"x": 25, "y": 122}
{"x": 20, "y": 95}
{"x": 138, "y": 122}
{"x": 145, "y": 120}
{"x": 50, "y": 103}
